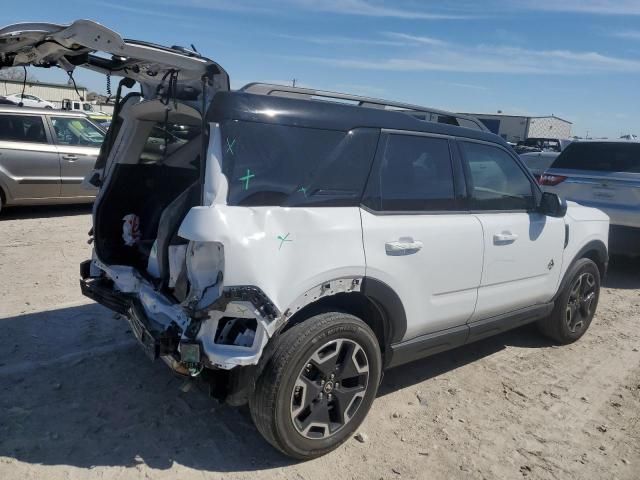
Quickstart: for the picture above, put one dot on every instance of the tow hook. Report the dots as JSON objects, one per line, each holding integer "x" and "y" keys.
{"x": 190, "y": 358}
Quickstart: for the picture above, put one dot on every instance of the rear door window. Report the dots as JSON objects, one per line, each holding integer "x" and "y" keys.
{"x": 22, "y": 128}
{"x": 165, "y": 139}
{"x": 282, "y": 165}
{"x": 414, "y": 174}
{"x": 77, "y": 132}
{"x": 600, "y": 156}
{"x": 496, "y": 181}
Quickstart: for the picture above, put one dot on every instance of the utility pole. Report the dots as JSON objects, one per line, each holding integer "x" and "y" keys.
{"x": 293, "y": 82}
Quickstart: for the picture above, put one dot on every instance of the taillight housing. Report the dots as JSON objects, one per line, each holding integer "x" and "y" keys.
{"x": 549, "y": 180}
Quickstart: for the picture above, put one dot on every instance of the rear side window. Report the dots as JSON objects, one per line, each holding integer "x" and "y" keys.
{"x": 22, "y": 128}
{"x": 414, "y": 173}
{"x": 495, "y": 180}
{"x": 600, "y": 156}
{"x": 281, "y": 165}
{"x": 165, "y": 139}
{"x": 76, "y": 131}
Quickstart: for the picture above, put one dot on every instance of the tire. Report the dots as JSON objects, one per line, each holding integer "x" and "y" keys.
{"x": 297, "y": 405}
{"x": 575, "y": 306}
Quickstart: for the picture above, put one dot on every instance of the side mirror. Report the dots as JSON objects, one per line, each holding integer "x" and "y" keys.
{"x": 552, "y": 205}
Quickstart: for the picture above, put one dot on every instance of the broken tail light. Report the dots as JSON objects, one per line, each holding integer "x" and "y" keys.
{"x": 548, "y": 180}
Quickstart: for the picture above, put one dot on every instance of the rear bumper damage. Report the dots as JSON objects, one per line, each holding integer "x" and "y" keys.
{"x": 230, "y": 332}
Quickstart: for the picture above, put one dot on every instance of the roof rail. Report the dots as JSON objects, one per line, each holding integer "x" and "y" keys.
{"x": 422, "y": 113}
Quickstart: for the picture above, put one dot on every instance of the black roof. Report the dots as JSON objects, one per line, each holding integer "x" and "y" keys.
{"x": 328, "y": 115}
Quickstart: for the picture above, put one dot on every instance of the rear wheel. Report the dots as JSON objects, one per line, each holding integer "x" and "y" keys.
{"x": 576, "y": 305}
{"x": 318, "y": 385}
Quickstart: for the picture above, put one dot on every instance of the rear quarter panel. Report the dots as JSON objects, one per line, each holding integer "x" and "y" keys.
{"x": 283, "y": 251}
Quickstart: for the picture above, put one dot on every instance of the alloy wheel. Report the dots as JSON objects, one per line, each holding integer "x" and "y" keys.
{"x": 329, "y": 389}
{"x": 579, "y": 305}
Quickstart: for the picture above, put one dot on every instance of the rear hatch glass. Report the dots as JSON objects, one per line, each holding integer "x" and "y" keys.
{"x": 601, "y": 156}
{"x": 605, "y": 175}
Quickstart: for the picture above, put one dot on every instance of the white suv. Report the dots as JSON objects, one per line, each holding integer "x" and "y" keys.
{"x": 287, "y": 249}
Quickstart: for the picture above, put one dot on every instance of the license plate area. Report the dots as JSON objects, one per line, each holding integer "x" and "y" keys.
{"x": 145, "y": 339}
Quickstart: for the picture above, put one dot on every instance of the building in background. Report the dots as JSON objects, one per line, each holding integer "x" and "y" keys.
{"x": 514, "y": 128}
{"x": 51, "y": 92}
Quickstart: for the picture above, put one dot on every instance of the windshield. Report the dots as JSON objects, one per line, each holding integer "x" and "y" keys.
{"x": 77, "y": 131}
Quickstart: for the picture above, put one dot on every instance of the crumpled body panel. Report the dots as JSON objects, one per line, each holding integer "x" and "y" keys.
{"x": 284, "y": 251}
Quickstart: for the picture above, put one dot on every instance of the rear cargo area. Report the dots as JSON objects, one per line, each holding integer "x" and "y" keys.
{"x": 153, "y": 181}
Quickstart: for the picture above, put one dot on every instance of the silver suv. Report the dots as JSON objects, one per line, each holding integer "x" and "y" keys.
{"x": 45, "y": 155}
{"x": 604, "y": 174}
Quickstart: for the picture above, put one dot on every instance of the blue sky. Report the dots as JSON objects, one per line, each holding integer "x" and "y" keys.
{"x": 576, "y": 59}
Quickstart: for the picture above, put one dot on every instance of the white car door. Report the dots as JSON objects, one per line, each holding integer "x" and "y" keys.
{"x": 417, "y": 239}
{"x": 522, "y": 248}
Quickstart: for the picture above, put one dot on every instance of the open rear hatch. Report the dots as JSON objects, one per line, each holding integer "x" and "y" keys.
{"x": 88, "y": 44}
{"x": 151, "y": 165}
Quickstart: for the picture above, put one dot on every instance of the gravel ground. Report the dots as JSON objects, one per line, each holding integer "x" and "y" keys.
{"x": 78, "y": 398}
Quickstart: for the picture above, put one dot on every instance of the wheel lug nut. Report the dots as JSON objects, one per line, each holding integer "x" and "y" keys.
{"x": 329, "y": 397}
{"x": 322, "y": 382}
{"x": 308, "y": 366}
{"x": 333, "y": 375}
{"x": 337, "y": 385}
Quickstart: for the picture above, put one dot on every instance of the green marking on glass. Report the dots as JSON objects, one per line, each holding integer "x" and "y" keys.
{"x": 230, "y": 146}
{"x": 303, "y": 190}
{"x": 284, "y": 239}
{"x": 246, "y": 179}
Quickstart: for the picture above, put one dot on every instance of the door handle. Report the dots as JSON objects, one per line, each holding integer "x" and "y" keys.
{"x": 70, "y": 157}
{"x": 504, "y": 238}
{"x": 402, "y": 246}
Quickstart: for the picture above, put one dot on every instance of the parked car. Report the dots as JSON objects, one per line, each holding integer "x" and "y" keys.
{"x": 604, "y": 174}
{"x": 6, "y": 101}
{"x": 45, "y": 155}
{"x": 29, "y": 101}
{"x": 539, "y": 153}
{"x": 293, "y": 248}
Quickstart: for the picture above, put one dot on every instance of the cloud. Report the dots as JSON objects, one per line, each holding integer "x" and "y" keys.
{"x": 370, "y": 8}
{"x": 489, "y": 59}
{"x": 627, "y": 34}
{"x": 469, "y": 86}
{"x": 600, "y": 7}
{"x": 363, "y": 8}
{"x": 341, "y": 40}
{"x": 415, "y": 39}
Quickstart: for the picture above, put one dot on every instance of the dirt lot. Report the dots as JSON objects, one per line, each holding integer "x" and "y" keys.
{"x": 78, "y": 399}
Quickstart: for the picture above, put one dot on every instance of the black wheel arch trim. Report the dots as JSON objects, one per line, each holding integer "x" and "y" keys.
{"x": 601, "y": 251}
{"x": 390, "y": 304}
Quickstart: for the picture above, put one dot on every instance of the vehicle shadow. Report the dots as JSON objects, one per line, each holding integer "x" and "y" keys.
{"x": 624, "y": 273}
{"x": 44, "y": 211}
{"x": 431, "y": 367}
{"x": 76, "y": 390}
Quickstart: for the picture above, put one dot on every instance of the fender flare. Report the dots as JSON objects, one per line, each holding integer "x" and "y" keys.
{"x": 390, "y": 304}
{"x": 602, "y": 254}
